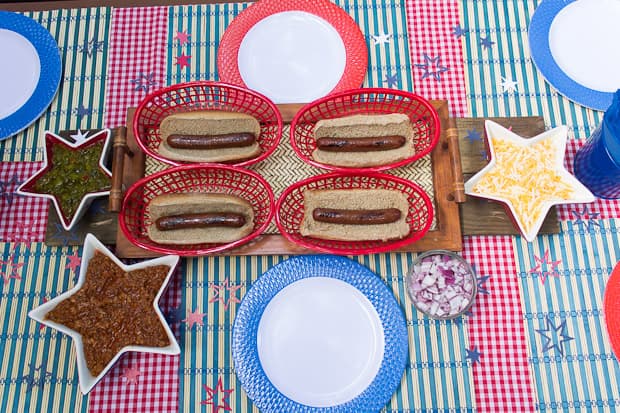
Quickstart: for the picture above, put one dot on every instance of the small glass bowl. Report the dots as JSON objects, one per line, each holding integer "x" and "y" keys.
{"x": 438, "y": 298}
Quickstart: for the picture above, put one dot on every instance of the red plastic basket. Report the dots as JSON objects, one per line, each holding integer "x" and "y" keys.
{"x": 134, "y": 218}
{"x": 205, "y": 95}
{"x": 422, "y": 114}
{"x": 290, "y": 211}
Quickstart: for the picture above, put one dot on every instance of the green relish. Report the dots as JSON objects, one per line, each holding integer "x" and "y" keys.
{"x": 73, "y": 174}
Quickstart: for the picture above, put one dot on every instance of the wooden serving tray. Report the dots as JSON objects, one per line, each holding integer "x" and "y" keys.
{"x": 474, "y": 217}
{"x": 448, "y": 190}
{"x": 480, "y": 216}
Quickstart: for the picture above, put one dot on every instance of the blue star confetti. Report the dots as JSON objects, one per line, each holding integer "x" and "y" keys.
{"x": 458, "y": 31}
{"x": 391, "y": 80}
{"x": 83, "y": 111}
{"x": 554, "y": 336}
{"x": 99, "y": 206}
{"x": 432, "y": 67}
{"x": 33, "y": 380}
{"x": 458, "y": 321}
{"x": 91, "y": 47}
{"x": 586, "y": 218}
{"x": 486, "y": 42}
{"x": 175, "y": 315}
{"x": 65, "y": 237}
{"x": 144, "y": 81}
{"x": 7, "y": 189}
{"x": 473, "y": 355}
{"x": 473, "y": 135}
{"x": 480, "y": 281}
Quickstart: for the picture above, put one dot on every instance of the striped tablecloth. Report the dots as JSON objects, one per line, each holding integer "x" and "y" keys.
{"x": 535, "y": 339}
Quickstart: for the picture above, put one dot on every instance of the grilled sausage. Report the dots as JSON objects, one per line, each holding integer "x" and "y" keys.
{"x": 229, "y": 140}
{"x": 368, "y": 144}
{"x": 203, "y": 220}
{"x": 356, "y": 217}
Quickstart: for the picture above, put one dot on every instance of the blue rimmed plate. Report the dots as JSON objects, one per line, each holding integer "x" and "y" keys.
{"x": 573, "y": 45}
{"x": 29, "y": 83}
{"x": 319, "y": 334}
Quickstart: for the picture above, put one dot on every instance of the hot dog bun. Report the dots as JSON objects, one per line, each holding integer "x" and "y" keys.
{"x": 362, "y": 126}
{"x": 354, "y": 199}
{"x": 191, "y": 203}
{"x": 208, "y": 122}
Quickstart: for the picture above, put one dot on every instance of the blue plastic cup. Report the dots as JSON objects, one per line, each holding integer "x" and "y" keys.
{"x": 597, "y": 163}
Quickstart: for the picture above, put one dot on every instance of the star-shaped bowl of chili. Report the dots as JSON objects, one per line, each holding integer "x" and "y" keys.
{"x": 113, "y": 309}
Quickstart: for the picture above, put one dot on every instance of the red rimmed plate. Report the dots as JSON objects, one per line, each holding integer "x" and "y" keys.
{"x": 134, "y": 217}
{"x": 290, "y": 211}
{"x": 293, "y": 51}
{"x": 612, "y": 309}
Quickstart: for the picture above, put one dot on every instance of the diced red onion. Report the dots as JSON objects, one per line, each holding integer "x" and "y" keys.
{"x": 441, "y": 285}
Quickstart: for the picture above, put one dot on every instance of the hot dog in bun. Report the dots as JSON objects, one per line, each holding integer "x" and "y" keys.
{"x": 363, "y": 140}
{"x": 355, "y": 214}
{"x": 196, "y": 218}
{"x": 209, "y": 136}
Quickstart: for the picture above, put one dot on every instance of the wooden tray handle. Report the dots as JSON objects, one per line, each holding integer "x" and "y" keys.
{"x": 452, "y": 134}
{"x": 119, "y": 149}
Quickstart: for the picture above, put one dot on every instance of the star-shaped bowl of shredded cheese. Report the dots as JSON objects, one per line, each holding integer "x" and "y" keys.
{"x": 528, "y": 175}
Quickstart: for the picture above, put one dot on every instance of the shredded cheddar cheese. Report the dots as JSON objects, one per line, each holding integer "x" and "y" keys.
{"x": 525, "y": 176}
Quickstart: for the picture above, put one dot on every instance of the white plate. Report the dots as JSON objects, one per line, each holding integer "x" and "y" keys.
{"x": 17, "y": 81}
{"x": 574, "y": 45}
{"x": 293, "y": 56}
{"x": 319, "y": 334}
{"x": 30, "y": 75}
{"x": 293, "y": 51}
{"x": 320, "y": 341}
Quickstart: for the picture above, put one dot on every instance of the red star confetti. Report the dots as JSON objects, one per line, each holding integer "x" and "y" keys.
{"x": 194, "y": 317}
{"x": 545, "y": 267}
{"x": 217, "y": 397}
{"x": 25, "y": 232}
{"x": 131, "y": 374}
{"x": 10, "y": 270}
{"x": 74, "y": 262}
{"x": 182, "y": 37}
{"x": 183, "y": 60}
{"x": 220, "y": 293}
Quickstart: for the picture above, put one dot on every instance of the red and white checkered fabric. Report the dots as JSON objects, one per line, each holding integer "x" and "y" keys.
{"x": 142, "y": 382}
{"x": 22, "y": 218}
{"x": 502, "y": 379}
{"x": 137, "y": 59}
{"x": 139, "y": 382}
{"x": 431, "y": 33}
{"x": 604, "y": 208}
{"x": 150, "y": 390}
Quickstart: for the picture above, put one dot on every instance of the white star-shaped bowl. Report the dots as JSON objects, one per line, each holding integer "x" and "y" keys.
{"x": 557, "y": 137}
{"x": 91, "y": 244}
{"x": 52, "y": 139}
